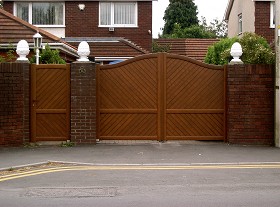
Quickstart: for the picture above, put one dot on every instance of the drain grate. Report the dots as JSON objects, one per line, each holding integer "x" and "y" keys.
{"x": 72, "y": 192}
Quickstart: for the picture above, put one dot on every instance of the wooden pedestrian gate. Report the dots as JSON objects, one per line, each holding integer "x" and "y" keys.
{"x": 50, "y": 102}
{"x": 160, "y": 97}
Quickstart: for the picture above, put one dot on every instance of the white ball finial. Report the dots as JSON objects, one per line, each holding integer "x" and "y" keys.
{"x": 22, "y": 50}
{"x": 236, "y": 52}
{"x": 83, "y": 51}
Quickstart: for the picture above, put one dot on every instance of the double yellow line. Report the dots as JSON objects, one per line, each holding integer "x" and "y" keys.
{"x": 136, "y": 167}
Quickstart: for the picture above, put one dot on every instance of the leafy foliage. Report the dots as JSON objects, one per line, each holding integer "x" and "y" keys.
{"x": 214, "y": 56}
{"x": 9, "y": 57}
{"x": 160, "y": 48}
{"x": 194, "y": 31}
{"x": 182, "y": 12}
{"x": 216, "y": 29}
{"x": 2, "y": 59}
{"x": 219, "y": 28}
{"x": 49, "y": 56}
{"x": 255, "y": 48}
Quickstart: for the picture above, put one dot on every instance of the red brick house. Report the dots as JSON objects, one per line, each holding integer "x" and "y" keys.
{"x": 256, "y": 16}
{"x": 14, "y": 29}
{"x": 126, "y": 22}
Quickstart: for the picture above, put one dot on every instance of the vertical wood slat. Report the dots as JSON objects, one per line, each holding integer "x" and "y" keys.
{"x": 225, "y": 104}
{"x": 33, "y": 103}
{"x": 97, "y": 102}
{"x": 55, "y": 119}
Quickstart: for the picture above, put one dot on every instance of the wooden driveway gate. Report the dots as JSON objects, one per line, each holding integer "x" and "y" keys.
{"x": 50, "y": 102}
{"x": 160, "y": 97}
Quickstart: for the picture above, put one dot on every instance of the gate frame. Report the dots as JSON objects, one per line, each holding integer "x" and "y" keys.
{"x": 33, "y": 113}
{"x": 162, "y": 91}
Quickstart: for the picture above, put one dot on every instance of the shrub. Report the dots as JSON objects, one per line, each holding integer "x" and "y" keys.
{"x": 9, "y": 56}
{"x": 2, "y": 59}
{"x": 49, "y": 56}
{"x": 256, "y": 50}
{"x": 214, "y": 54}
{"x": 160, "y": 48}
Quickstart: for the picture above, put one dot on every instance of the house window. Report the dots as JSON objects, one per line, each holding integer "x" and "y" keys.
{"x": 41, "y": 14}
{"x": 272, "y": 14}
{"x": 240, "y": 24}
{"x": 118, "y": 14}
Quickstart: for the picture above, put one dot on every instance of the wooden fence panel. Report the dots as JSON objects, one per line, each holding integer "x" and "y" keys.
{"x": 50, "y": 102}
{"x": 127, "y": 100}
{"x": 160, "y": 97}
{"x": 195, "y": 100}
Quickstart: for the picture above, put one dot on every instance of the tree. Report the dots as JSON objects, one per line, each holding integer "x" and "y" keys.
{"x": 182, "y": 12}
{"x": 219, "y": 28}
{"x": 216, "y": 29}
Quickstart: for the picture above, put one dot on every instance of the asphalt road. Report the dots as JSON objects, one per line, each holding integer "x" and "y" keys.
{"x": 255, "y": 184}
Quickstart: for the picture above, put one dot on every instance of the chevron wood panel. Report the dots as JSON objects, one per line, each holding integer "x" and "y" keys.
{"x": 131, "y": 86}
{"x": 195, "y": 126}
{"x": 194, "y": 101}
{"x": 51, "y": 127}
{"x": 192, "y": 86}
{"x": 123, "y": 126}
{"x": 51, "y": 88}
{"x": 163, "y": 97}
{"x": 128, "y": 100}
{"x": 50, "y": 102}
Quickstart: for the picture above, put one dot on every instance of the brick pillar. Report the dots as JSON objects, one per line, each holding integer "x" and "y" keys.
{"x": 14, "y": 104}
{"x": 83, "y": 103}
{"x": 250, "y": 104}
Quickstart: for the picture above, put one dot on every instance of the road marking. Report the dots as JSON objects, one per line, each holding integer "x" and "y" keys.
{"x": 136, "y": 167}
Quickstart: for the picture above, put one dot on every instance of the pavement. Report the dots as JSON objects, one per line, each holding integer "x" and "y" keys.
{"x": 140, "y": 153}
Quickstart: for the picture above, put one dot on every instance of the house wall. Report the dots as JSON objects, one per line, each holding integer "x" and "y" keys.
{"x": 8, "y": 6}
{"x": 85, "y": 24}
{"x": 247, "y": 8}
{"x": 262, "y": 22}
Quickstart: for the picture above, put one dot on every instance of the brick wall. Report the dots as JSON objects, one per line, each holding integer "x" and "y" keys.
{"x": 262, "y": 20}
{"x": 8, "y": 6}
{"x": 85, "y": 23}
{"x": 250, "y": 101}
{"x": 83, "y": 103}
{"x": 14, "y": 104}
{"x": 250, "y": 104}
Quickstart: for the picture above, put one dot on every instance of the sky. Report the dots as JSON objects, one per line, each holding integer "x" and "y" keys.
{"x": 210, "y": 9}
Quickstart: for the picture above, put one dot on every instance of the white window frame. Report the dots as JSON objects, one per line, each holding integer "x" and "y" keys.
{"x": 30, "y": 15}
{"x": 240, "y": 26}
{"x": 272, "y": 14}
{"x": 112, "y": 15}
